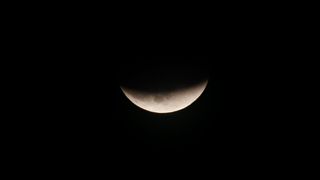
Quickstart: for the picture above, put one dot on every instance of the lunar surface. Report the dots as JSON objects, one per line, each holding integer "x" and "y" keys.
{"x": 165, "y": 102}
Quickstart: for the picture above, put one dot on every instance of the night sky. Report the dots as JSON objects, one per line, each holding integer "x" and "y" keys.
{"x": 90, "y": 115}
{"x": 70, "y": 72}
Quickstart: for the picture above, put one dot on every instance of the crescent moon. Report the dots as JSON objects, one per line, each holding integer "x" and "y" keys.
{"x": 165, "y": 102}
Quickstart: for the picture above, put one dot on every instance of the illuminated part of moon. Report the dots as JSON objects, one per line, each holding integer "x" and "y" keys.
{"x": 165, "y": 102}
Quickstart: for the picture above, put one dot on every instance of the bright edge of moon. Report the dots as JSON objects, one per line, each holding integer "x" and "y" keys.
{"x": 165, "y": 102}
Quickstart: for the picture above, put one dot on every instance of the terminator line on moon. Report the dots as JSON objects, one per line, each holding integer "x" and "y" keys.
{"x": 165, "y": 102}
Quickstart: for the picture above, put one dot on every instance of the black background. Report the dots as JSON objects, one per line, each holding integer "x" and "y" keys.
{"x": 69, "y": 109}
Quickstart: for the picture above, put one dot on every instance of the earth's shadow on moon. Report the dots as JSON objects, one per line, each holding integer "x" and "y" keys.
{"x": 163, "y": 74}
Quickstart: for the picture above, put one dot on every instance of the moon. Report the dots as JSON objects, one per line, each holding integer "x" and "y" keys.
{"x": 168, "y": 101}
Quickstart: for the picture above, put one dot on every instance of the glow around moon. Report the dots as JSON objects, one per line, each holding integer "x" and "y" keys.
{"x": 165, "y": 102}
